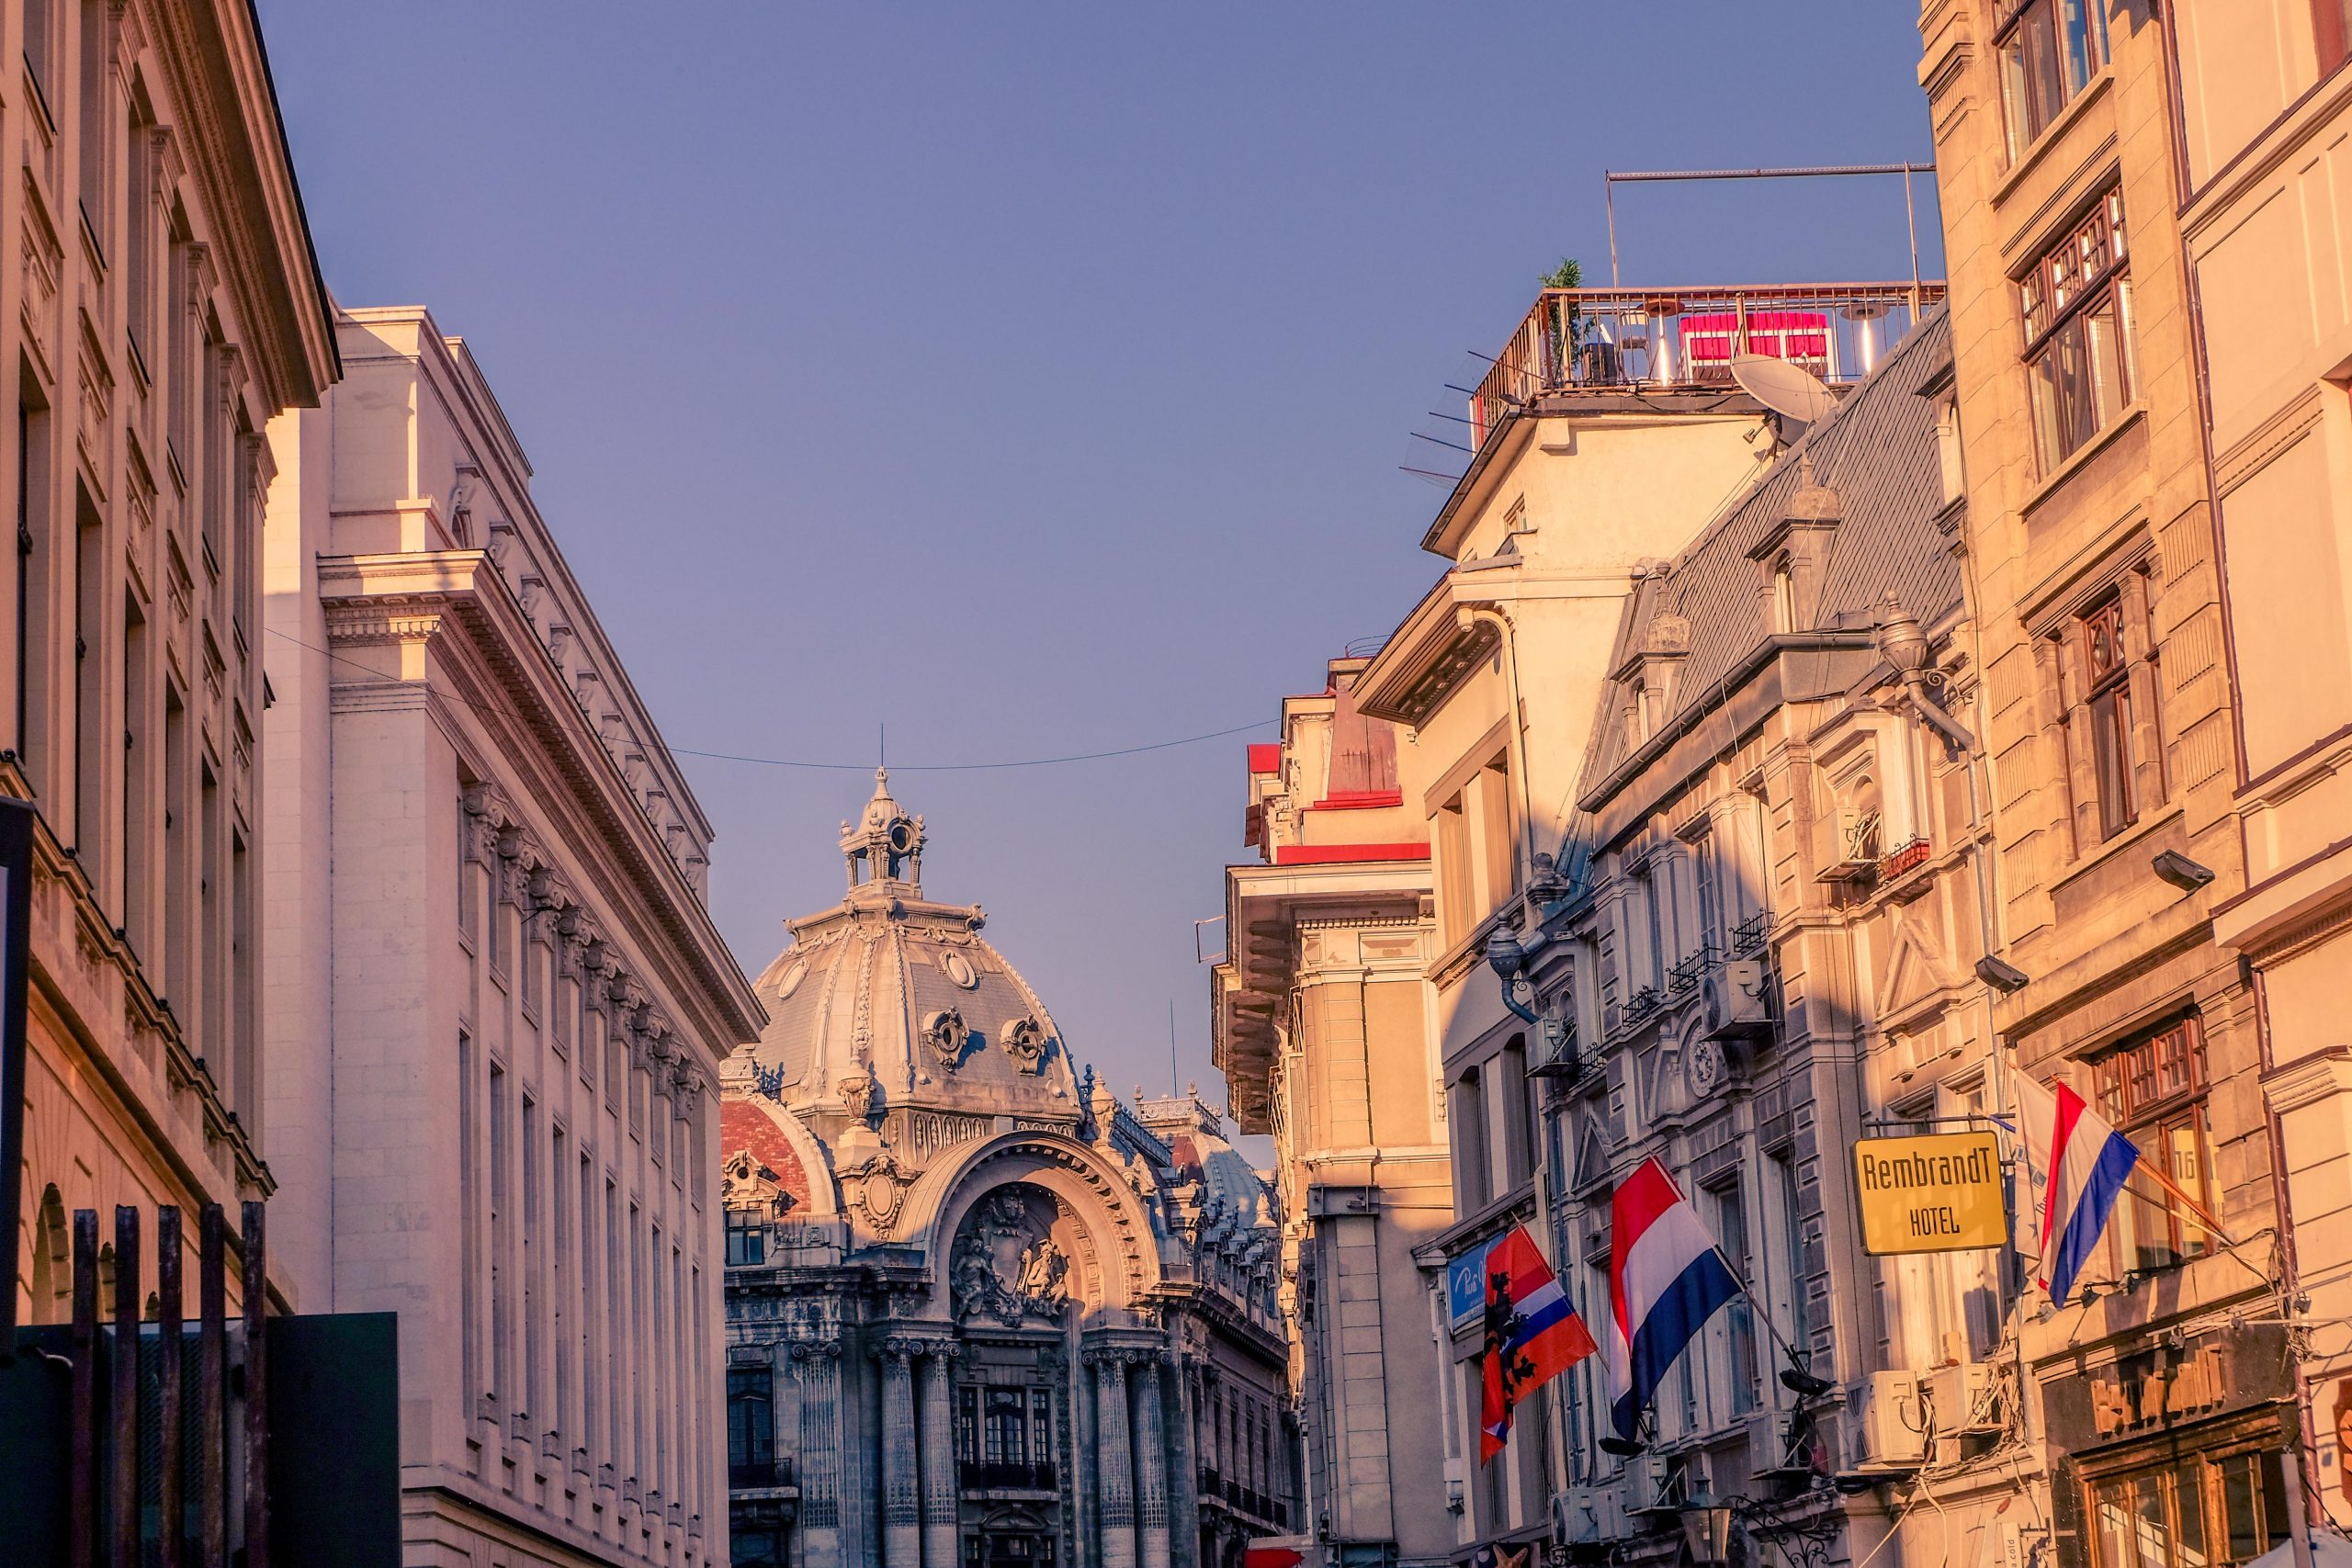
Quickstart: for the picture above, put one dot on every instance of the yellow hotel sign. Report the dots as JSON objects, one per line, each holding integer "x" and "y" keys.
{"x": 1938, "y": 1192}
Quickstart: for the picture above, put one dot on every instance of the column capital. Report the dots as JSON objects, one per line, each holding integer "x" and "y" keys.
{"x": 814, "y": 1349}
{"x": 899, "y": 1348}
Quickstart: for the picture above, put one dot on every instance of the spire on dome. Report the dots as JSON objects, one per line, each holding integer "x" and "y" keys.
{"x": 885, "y": 844}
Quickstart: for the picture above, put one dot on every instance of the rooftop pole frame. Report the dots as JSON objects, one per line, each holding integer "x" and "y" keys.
{"x": 1612, "y": 178}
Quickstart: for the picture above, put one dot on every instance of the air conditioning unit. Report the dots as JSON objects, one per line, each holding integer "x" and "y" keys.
{"x": 1966, "y": 1399}
{"x": 1890, "y": 1423}
{"x": 1738, "y": 999}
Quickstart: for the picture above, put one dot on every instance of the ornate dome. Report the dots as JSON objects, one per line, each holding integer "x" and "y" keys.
{"x": 887, "y": 1001}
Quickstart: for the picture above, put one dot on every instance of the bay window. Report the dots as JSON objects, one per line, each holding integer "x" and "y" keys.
{"x": 2077, "y": 304}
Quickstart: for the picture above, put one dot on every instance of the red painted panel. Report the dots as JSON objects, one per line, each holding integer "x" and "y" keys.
{"x": 1266, "y": 757}
{"x": 1359, "y": 800}
{"x": 1334, "y": 855}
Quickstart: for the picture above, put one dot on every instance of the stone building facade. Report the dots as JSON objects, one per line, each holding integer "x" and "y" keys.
{"x": 1767, "y": 952}
{"x": 978, "y": 1314}
{"x": 497, "y": 1004}
{"x": 2166, "y": 1398}
{"x": 163, "y": 304}
{"x": 2264, "y": 107}
{"x": 1321, "y": 1023}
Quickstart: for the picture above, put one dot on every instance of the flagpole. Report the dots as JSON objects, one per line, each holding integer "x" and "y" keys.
{"x": 2196, "y": 1210}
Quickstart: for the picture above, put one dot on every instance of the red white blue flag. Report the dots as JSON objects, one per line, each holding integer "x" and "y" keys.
{"x": 2083, "y": 1163}
{"x": 1666, "y": 1279}
{"x": 1532, "y": 1334}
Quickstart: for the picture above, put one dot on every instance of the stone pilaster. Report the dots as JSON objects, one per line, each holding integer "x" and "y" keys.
{"x": 941, "y": 1489}
{"x": 819, "y": 1449}
{"x": 1151, "y": 1466}
{"x": 1114, "y": 1464}
{"x": 901, "y": 1500}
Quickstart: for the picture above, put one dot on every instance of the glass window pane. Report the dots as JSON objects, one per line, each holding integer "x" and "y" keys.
{"x": 2240, "y": 1507}
{"x": 2275, "y": 1520}
{"x": 2044, "y": 91}
{"x": 2111, "y": 1506}
{"x": 2148, "y": 1522}
{"x": 2188, "y": 1498}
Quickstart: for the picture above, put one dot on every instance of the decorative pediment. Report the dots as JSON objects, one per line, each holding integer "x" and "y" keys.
{"x": 1917, "y": 969}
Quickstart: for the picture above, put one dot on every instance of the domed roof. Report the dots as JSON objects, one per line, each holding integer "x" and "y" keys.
{"x": 891, "y": 1000}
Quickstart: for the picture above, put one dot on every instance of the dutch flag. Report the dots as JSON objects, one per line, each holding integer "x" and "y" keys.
{"x": 1666, "y": 1279}
{"x": 2083, "y": 1163}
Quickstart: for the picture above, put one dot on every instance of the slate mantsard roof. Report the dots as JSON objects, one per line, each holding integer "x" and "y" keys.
{"x": 1879, "y": 453}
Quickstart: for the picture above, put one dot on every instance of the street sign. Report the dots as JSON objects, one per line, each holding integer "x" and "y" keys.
{"x": 1934, "y": 1192}
{"x": 1465, "y": 1284}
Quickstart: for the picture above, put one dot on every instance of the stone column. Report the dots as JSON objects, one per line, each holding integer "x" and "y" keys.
{"x": 902, "y": 1512}
{"x": 1115, "y": 1467}
{"x": 1184, "y": 1484}
{"x": 1152, "y": 1467}
{"x": 819, "y": 1365}
{"x": 942, "y": 1486}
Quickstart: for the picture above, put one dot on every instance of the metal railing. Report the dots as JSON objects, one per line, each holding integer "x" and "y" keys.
{"x": 1683, "y": 339}
{"x": 759, "y": 1473}
{"x": 1006, "y": 1475}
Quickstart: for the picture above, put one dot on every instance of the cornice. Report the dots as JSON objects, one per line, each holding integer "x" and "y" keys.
{"x": 458, "y": 597}
{"x": 227, "y": 107}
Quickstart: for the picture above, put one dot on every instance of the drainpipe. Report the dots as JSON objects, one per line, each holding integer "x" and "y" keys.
{"x": 1494, "y": 616}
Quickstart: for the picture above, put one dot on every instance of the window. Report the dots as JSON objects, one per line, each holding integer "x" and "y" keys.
{"x": 2049, "y": 50}
{"x": 2332, "y": 32}
{"x": 465, "y": 869}
{"x": 747, "y": 1236}
{"x": 95, "y": 49}
{"x": 1739, "y": 1319}
{"x": 750, "y": 1423}
{"x": 2109, "y": 666}
{"x": 1784, "y": 594}
{"x": 758, "y": 1546}
{"x": 2152, "y": 1090}
{"x": 2077, "y": 302}
{"x": 1469, "y": 1118}
{"x": 1707, "y": 871}
{"x": 1453, "y": 848}
{"x": 39, "y": 25}
{"x": 2108, "y": 677}
{"x": 2203, "y": 1511}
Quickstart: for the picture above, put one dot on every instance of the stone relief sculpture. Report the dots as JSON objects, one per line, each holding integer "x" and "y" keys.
{"x": 1026, "y": 1041}
{"x": 882, "y": 1191}
{"x": 1007, "y": 1264}
{"x": 945, "y": 1034}
{"x": 857, "y": 1093}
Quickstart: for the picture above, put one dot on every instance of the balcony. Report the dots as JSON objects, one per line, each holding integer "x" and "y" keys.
{"x": 1653, "y": 340}
{"x": 758, "y": 1476}
{"x": 1243, "y": 1500}
{"x": 1005, "y": 1476}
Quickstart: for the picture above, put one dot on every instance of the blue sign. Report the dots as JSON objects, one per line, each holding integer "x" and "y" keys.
{"x": 1465, "y": 1283}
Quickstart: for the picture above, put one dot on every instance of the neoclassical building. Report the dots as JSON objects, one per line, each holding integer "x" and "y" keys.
{"x": 497, "y": 1005}
{"x": 978, "y": 1311}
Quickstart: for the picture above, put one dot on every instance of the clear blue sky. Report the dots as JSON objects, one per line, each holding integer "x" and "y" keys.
{"x": 1033, "y": 377}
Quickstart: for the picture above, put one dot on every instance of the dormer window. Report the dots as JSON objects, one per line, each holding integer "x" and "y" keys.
{"x": 1784, "y": 594}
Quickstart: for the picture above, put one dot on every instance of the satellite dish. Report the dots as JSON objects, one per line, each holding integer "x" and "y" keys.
{"x": 1790, "y": 390}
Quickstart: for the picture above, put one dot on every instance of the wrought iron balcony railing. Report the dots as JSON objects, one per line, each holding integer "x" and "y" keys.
{"x": 758, "y": 1474}
{"x": 1006, "y": 1475}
